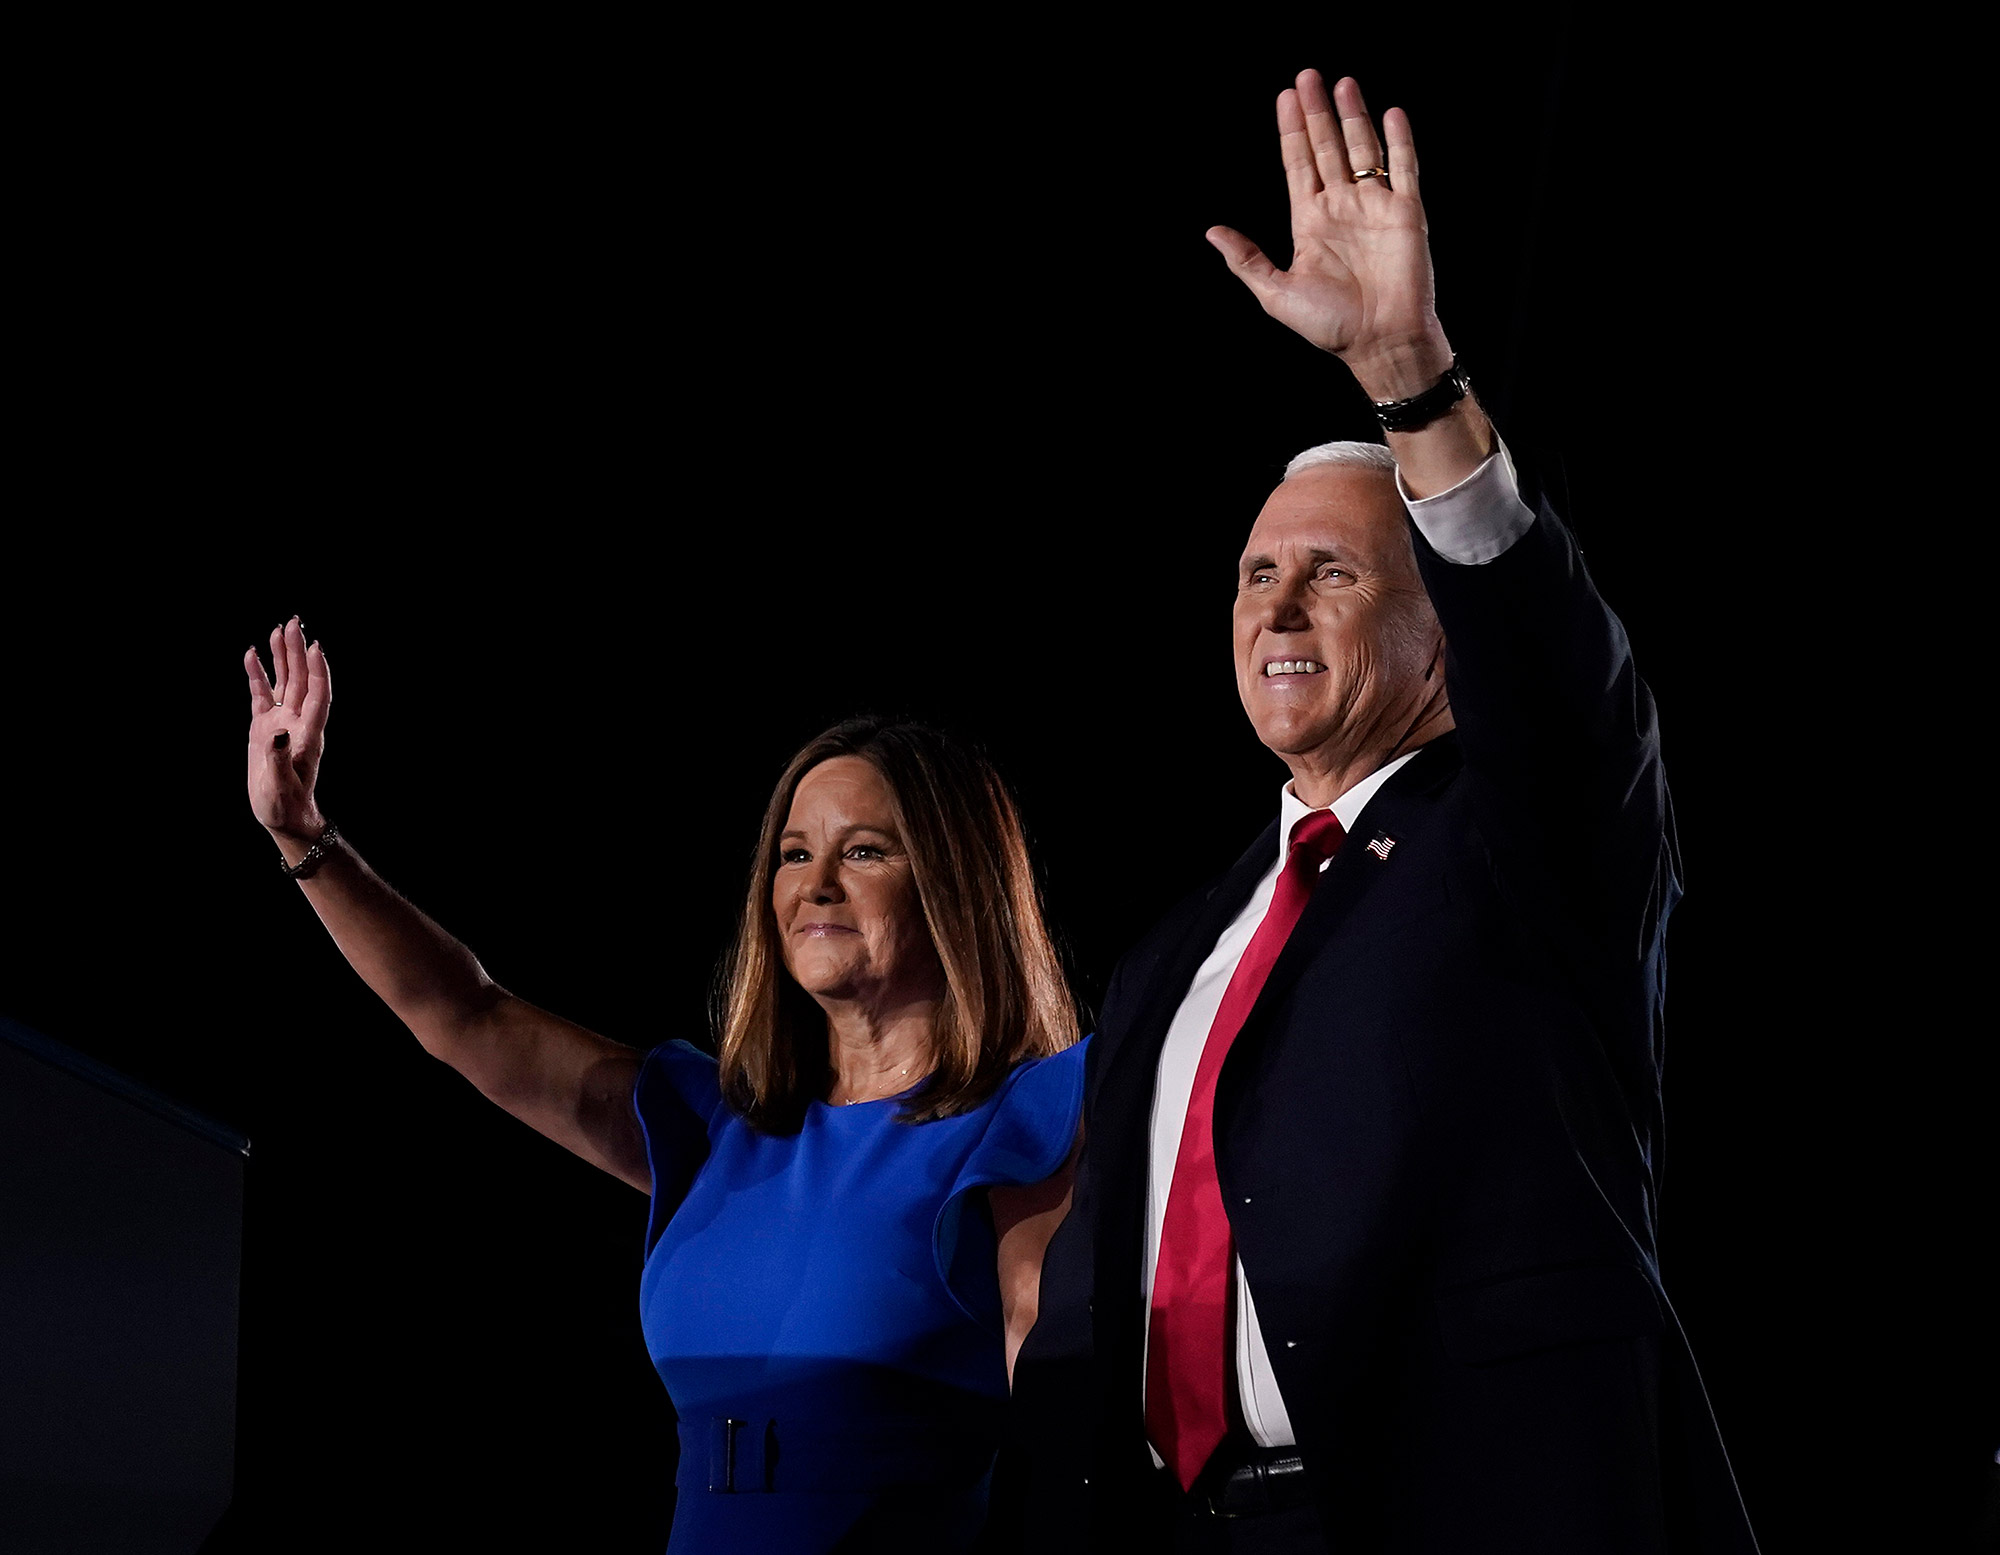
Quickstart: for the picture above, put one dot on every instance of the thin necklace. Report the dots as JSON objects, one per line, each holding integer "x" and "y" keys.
{"x": 852, "y": 1100}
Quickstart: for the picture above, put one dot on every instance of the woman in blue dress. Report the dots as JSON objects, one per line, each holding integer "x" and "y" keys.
{"x": 850, "y": 1206}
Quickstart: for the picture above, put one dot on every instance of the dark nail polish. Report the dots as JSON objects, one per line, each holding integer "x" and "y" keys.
{"x": 280, "y": 740}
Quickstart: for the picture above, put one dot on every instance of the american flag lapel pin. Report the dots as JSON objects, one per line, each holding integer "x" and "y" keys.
{"x": 1381, "y": 845}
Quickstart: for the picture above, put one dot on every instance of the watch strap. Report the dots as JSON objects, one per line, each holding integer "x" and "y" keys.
{"x": 1420, "y": 410}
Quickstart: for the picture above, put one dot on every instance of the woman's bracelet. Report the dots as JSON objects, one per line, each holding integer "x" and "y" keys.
{"x": 316, "y": 855}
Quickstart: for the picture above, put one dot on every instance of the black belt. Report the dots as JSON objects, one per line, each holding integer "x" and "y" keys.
{"x": 1243, "y": 1482}
{"x": 732, "y": 1456}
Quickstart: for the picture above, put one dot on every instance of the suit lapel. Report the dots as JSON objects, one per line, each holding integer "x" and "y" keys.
{"x": 1122, "y": 1105}
{"x": 1121, "y": 1116}
{"x": 1396, "y": 809}
{"x": 1128, "y": 1081}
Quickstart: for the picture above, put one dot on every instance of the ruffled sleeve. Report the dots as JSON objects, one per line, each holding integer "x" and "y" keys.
{"x": 1030, "y": 1129}
{"x": 678, "y": 1099}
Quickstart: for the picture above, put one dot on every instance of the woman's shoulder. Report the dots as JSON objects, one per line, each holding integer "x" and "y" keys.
{"x": 1039, "y": 1080}
{"x": 1030, "y": 1128}
{"x": 679, "y": 1073}
{"x": 1033, "y": 1116}
{"x": 678, "y": 1100}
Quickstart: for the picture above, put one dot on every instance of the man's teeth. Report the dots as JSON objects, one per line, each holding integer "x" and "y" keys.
{"x": 1293, "y": 667}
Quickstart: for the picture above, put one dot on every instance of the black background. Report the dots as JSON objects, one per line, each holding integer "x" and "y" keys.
{"x": 619, "y": 409}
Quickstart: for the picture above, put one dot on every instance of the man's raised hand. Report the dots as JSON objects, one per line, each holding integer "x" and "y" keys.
{"x": 288, "y": 711}
{"x": 1360, "y": 282}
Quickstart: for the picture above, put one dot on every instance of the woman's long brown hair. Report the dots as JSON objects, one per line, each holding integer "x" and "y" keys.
{"x": 1006, "y": 998}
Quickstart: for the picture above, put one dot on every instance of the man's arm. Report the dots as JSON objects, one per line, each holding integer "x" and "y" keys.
{"x": 1540, "y": 675}
{"x": 1360, "y": 284}
{"x": 1550, "y": 713}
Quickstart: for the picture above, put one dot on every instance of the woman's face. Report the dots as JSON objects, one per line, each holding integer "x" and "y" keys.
{"x": 846, "y": 902}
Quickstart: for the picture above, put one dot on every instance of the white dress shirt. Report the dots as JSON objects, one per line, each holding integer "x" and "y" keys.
{"x": 1473, "y": 522}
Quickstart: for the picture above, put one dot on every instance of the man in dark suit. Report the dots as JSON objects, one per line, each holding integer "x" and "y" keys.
{"x": 1362, "y": 1251}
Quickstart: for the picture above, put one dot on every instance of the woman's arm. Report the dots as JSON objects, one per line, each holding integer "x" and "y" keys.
{"x": 561, "y": 1080}
{"x": 1024, "y": 1219}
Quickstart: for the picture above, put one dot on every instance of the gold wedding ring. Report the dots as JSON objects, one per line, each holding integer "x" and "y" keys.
{"x": 1371, "y": 172}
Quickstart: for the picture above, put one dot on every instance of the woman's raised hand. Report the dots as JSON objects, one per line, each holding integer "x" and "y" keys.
{"x": 288, "y": 731}
{"x": 561, "y": 1080}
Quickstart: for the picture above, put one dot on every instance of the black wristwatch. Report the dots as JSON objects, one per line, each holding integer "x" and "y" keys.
{"x": 1420, "y": 410}
{"x": 316, "y": 855}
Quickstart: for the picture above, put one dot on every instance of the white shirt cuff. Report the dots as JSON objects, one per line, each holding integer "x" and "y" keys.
{"x": 1479, "y": 518}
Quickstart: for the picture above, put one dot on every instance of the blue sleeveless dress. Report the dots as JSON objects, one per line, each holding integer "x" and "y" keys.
{"x": 824, "y": 1307}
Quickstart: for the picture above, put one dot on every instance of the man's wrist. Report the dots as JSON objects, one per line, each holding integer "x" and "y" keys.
{"x": 1401, "y": 369}
{"x": 1437, "y": 457}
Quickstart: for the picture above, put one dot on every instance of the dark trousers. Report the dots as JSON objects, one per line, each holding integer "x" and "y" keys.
{"x": 1293, "y": 1532}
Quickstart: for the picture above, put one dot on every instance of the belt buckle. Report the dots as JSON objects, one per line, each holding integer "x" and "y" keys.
{"x": 1212, "y": 1500}
{"x": 728, "y": 1443}
{"x": 1259, "y": 1485}
{"x": 1247, "y": 1478}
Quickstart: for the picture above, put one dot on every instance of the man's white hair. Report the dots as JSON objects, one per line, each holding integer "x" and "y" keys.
{"x": 1371, "y": 455}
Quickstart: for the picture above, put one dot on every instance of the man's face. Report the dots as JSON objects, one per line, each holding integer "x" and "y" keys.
{"x": 1337, "y": 647}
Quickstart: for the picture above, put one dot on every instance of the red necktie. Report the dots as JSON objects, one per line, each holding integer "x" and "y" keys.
{"x": 1187, "y": 1350}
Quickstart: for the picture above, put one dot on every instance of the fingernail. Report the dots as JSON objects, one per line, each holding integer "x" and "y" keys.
{"x": 280, "y": 740}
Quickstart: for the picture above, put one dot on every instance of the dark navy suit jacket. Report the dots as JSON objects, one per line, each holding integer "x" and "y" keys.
{"x": 1437, "y": 1137}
